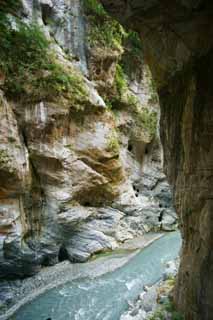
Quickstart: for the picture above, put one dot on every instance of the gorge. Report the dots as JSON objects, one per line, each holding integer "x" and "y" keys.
{"x": 109, "y": 295}
{"x": 71, "y": 164}
{"x": 80, "y": 153}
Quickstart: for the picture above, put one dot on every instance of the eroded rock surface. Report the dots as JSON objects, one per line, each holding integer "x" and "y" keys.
{"x": 178, "y": 37}
{"x": 77, "y": 177}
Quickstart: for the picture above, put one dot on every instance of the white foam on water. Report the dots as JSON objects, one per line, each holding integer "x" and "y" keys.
{"x": 80, "y": 314}
{"x": 131, "y": 284}
{"x": 66, "y": 292}
{"x": 82, "y": 287}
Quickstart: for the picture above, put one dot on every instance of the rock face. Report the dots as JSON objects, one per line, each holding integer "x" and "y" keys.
{"x": 178, "y": 41}
{"x": 77, "y": 177}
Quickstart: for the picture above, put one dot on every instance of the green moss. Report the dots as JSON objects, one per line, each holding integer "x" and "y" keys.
{"x": 167, "y": 307}
{"x": 107, "y": 33}
{"x": 94, "y": 7}
{"x": 145, "y": 118}
{"x": 134, "y": 41}
{"x": 5, "y": 161}
{"x": 133, "y": 59}
{"x": 3, "y": 156}
{"x": 148, "y": 120}
{"x": 10, "y": 6}
{"x": 153, "y": 98}
{"x": 104, "y": 31}
{"x": 30, "y": 68}
{"x": 113, "y": 143}
{"x": 153, "y": 90}
{"x": 120, "y": 80}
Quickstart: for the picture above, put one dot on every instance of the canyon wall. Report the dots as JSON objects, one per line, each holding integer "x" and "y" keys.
{"x": 178, "y": 43}
{"x": 80, "y": 156}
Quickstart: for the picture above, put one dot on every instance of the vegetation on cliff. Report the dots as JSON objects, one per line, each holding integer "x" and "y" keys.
{"x": 104, "y": 31}
{"x": 132, "y": 58}
{"x": 29, "y": 69}
{"x": 166, "y": 309}
{"x": 107, "y": 34}
{"x": 10, "y": 6}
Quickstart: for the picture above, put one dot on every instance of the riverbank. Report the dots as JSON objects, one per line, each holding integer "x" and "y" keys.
{"x": 16, "y": 293}
{"x": 156, "y": 302}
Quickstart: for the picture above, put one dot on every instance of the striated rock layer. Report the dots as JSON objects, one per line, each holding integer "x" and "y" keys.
{"x": 178, "y": 41}
{"x": 76, "y": 176}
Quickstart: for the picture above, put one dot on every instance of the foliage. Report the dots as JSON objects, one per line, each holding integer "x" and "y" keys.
{"x": 134, "y": 44}
{"x": 148, "y": 120}
{"x": 108, "y": 34}
{"x": 120, "y": 80}
{"x": 145, "y": 118}
{"x": 30, "y": 68}
{"x": 104, "y": 31}
{"x": 9, "y": 6}
{"x": 5, "y": 161}
{"x": 132, "y": 59}
{"x": 153, "y": 98}
{"x": 113, "y": 143}
{"x": 167, "y": 307}
{"x": 94, "y": 7}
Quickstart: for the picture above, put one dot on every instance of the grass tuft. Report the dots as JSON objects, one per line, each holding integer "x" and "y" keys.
{"x": 29, "y": 69}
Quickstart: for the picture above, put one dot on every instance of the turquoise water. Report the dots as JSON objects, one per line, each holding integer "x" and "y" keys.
{"x": 105, "y": 297}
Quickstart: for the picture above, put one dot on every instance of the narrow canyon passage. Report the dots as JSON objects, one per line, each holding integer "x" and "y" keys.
{"x": 105, "y": 136}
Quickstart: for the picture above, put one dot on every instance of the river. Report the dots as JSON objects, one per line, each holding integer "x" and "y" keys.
{"x": 105, "y": 297}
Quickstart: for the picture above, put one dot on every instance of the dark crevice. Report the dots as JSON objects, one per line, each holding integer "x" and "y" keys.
{"x": 35, "y": 201}
{"x": 87, "y": 204}
{"x": 63, "y": 254}
{"x": 130, "y": 147}
{"x": 46, "y": 12}
{"x": 46, "y": 261}
{"x": 160, "y": 218}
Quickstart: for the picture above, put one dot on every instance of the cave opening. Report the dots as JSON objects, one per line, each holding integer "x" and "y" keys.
{"x": 130, "y": 147}
{"x": 63, "y": 254}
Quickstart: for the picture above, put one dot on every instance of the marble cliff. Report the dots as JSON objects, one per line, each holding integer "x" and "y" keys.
{"x": 80, "y": 154}
{"x": 178, "y": 42}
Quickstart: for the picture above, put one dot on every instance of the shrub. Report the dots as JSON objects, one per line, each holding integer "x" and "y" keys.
{"x": 94, "y": 7}
{"x": 120, "y": 80}
{"x": 9, "y": 6}
{"x": 113, "y": 143}
{"x": 30, "y": 69}
{"x": 132, "y": 59}
{"x": 145, "y": 118}
{"x": 104, "y": 31}
{"x": 167, "y": 307}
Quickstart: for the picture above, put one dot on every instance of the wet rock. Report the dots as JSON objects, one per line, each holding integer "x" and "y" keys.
{"x": 76, "y": 179}
{"x": 85, "y": 242}
{"x": 169, "y": 220}
{"x": 171, "y": 270}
